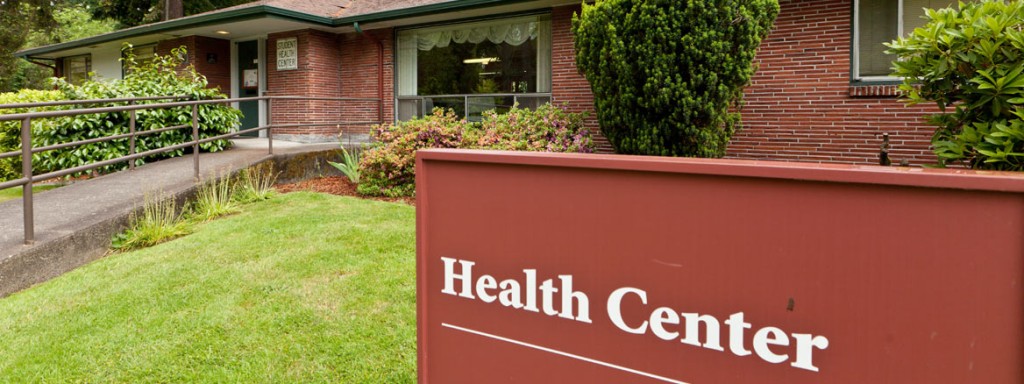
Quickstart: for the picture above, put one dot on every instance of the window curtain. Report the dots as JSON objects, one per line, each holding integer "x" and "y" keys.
{"x": 515, "y": 31}
{"x": 878, "y": 23}
{"x": 512, "y": 33}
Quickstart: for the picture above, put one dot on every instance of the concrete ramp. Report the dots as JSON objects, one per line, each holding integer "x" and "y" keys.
{"x": 74, "y": 223}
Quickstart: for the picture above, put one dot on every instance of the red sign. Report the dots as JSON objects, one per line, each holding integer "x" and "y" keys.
{"x": 537, "y": 268}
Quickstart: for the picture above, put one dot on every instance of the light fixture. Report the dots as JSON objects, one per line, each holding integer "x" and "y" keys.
{"x": 222, "y": 32}
{"x": 481, "y": 60}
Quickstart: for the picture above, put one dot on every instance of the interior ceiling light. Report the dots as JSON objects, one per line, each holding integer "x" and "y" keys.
{"x": 481, "y": 60}
{"x": 222, "y": 32}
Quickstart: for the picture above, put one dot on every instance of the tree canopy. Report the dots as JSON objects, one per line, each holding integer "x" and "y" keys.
{"x": 130, "y": 13}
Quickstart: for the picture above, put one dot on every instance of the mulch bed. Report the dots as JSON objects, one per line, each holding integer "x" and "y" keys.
{"x": 335, "y": 185}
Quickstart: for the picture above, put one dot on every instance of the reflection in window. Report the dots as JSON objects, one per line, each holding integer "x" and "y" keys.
{"x": 474, "y": 67}
{"x": 144, "y": 54}
{"x": 881, "y": 21}
{"x": 77, "y": 68}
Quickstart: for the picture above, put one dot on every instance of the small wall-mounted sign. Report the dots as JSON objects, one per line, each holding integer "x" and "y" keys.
{"x": 287, "y": 54}
{"x": 250, "y": 79}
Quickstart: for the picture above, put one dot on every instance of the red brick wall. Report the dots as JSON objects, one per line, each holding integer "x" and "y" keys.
{"x": 318, "y": 75}
{"x": 360, "y": 73}
{"x": 801, "y": 105}
{"x": 217, "y": 74}
{"x": 569, "y": 89}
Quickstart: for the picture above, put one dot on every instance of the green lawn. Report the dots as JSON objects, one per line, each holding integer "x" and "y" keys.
{"x": 15, "y": 193}
{"x": 302, "y": 288}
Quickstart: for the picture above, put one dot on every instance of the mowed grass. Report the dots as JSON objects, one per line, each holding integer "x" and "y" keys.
{"x": 304, "y": 287}
{"x": 15, "y": 192}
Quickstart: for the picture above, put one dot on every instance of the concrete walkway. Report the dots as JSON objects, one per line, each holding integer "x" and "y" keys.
{"x": 74, "y": 223}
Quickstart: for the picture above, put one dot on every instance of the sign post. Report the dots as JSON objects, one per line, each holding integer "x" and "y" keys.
{"x": 536, "y": 268}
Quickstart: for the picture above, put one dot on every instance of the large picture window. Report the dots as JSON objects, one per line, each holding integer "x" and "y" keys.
{"x": 474, "y": 67}
{"x": 881, "y": 21}
{"x": 77, "y": 68}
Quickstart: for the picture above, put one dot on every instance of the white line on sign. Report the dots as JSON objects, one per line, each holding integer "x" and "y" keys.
{"x": 566, "y": 354}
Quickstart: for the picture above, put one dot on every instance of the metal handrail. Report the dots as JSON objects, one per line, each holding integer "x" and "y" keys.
{"x": 93, "y": 101}
{"x": 26, "y": 137}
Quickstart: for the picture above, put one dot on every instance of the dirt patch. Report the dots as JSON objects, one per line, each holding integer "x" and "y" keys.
{"x": 335, "y": 185}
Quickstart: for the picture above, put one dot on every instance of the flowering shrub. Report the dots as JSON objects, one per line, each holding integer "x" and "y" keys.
{"x": 547, "y": 129}
{"x": 388, "y": 168}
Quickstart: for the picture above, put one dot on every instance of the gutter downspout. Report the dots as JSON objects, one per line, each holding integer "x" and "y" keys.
{"x": 380, "y": 71}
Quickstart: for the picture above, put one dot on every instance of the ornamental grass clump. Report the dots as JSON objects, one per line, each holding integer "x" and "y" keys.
{"x": 388, "y": 168}
{"x": 159, "y": 221}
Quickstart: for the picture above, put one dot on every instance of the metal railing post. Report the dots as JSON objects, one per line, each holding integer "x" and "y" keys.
{"x": 270, "y": 123}
{"x": 195, "y": 139}
{"x": 131, "y": 140}
{"x": 26, "y": 172}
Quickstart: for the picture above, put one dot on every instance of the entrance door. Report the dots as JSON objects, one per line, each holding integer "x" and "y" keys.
{"x": 249, "y": 84}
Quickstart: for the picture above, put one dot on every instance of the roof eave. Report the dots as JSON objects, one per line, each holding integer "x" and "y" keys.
{"x": 176, "y": 24}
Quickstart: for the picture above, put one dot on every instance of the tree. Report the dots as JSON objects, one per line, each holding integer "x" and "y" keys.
{"x": 130, "y": 13}
{"x": 970, "y": 59}
{"x": 64, "y": 21}
{"x": 665, "y": 73}
{"x": 19, "y": 17}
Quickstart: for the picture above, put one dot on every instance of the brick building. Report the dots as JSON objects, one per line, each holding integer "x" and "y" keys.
{"x": 821, "y": 93}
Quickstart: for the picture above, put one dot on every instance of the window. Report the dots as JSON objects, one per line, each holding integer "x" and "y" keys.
{"x": 474, "y": 67}
{"x": 144, "y": 54}
{"x": 77, "y": 68}
{"x": 881, "y": 21}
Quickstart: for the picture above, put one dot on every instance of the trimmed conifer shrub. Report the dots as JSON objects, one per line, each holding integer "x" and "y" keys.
{"x": 665, "y": 73}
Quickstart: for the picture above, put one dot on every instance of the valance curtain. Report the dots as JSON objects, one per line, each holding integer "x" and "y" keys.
{"x": 514, "y": 31}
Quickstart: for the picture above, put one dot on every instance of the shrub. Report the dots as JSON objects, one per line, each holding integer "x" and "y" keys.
{"x": 160, "y": 77}
{"x": 666, "y": 73}
{"x": 388, "y": 168}
{"x": 10, "y": 131}
{"x": 970, "y": 59}
{"x": 548, "y": 128}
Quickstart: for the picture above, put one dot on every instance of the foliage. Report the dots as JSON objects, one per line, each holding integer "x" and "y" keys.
{"x": 547, "y": 128}
{"x": 163, "y": 76}
{"x": 388, "y": 168}
{"x": 135, "y": 12}
{"x": 279, "y": 293}
{"x": 10, "y": 131}
{"x": 160, "y": 221}
{"x": 255, "y": 183}
{"x": 54, "y": 22}
{"x": 970, "y": 59}
{"x": 666, "y": 73}
{"x": 350, "y": 163}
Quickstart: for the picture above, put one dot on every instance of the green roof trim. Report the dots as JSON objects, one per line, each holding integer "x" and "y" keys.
{"x": 240, "y": 14}
{"x": 259, "y": 11}
{"x": 423, "y": 10}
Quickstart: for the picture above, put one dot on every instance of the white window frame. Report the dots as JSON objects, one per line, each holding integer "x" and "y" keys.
{"x": 856, "y": 43}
